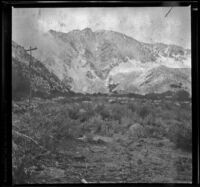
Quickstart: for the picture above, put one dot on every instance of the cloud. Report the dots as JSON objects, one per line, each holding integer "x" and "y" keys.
{"x": 143, "y": 24}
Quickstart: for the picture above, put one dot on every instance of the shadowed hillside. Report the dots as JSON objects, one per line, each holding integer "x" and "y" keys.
{"x": 43, "y": 82}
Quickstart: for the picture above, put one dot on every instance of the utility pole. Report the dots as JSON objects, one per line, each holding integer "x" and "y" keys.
{"x": 30, "y": 76}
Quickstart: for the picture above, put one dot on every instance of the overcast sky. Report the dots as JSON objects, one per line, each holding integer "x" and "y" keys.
{"x": 144, "y": 24}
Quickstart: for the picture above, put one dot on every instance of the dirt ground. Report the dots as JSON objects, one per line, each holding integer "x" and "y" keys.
{"x": 147, "y": 160}
{"x": 114, "y": 159}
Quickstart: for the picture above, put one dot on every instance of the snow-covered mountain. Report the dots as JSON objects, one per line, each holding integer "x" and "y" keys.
{"x": 94, "y": 61}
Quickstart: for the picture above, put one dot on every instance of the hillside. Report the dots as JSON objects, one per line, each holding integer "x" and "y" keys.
{"x": 44, "y": 82}
{"x": 85, "y": 61}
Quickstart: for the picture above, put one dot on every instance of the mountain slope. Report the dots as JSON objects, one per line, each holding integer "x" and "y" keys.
{"x": 87, "y": 60}
{"x": 43, "y": 82}
{"x": 156, "y": 80}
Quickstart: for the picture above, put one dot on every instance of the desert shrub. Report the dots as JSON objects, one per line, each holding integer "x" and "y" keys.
{"x": 87, "y": 106}
{"x": 129, "y": 114}
{"x": 75, "y": 129}
{"x": 136, "y": 131}
{"x": 111, "y": 126}
{"x": 167, "y": 105}
{"x": 132, "y": 107}
{"x": 181, "y": 95}
{"x": 117, "y": 114}
{"x": 83, "y": 115}
{"x": 67, "y": 129}
{"x": 103, "y": 110}
{"x": 117, "y": 127}
{"x": 117, "y": 111}
{"x": 154, "y": 126}
{"x": 149, "y": 120}
{"x": 21, "y": 169}
{"x": 49, "y": 108}
{"x": 144, "y": 111}
{"x": 136, "y": 118}
{"x": 48, "y": 126}
{"x": 183, "y": 115}
{"x": 85, "y": 112}
{"x": 126, "y": 121}
{"x": 165, "y": 114}
{"x": 181, "y": 135}
{"x": 73, "y": 112}
{"x": 95, "y": 124}
{"x": 99, "y": 108}
{"x": 153, "y": 131}
{"x": 162, "y": 126}
{"x": 43, "y": 126}
{"x": 23, "y": 158}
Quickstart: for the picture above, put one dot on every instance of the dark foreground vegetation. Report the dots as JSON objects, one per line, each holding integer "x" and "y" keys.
{"x": 102, "y": 139}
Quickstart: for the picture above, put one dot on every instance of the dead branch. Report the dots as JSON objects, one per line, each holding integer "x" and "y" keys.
{"x": 27, "y": 137}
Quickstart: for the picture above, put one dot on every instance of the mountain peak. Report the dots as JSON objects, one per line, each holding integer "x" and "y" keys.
{"x": 97, "y": 55}
{"x": 87, "y": 29}
{"x": 52, "y": 31}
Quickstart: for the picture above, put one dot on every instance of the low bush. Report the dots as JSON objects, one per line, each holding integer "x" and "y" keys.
{"x": 181, "y": 95}
{"x": 94, "y": 124}
{"x": 144, "y": 111}
{"x": 132, "y": 107}
{"x": 23, "y": 158}
{"x": 73, "y": 112}
{"x": 181, "y": 135}
{"x": 117, "y": 111}
{"x": 149, "y": 120}
{"x": 103, "y": 110}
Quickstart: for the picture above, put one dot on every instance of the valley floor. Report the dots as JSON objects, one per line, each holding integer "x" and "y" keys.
{"x": 74, "y": 140}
